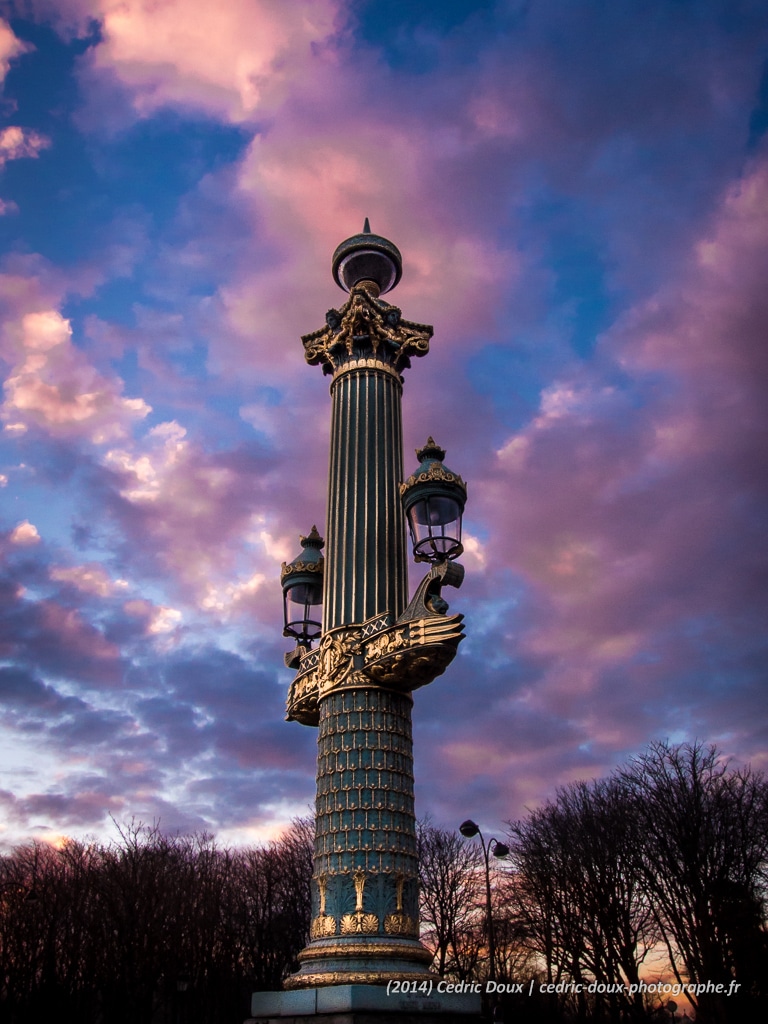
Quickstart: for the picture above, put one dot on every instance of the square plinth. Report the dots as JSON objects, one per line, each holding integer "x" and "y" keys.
{"x": 361, "y": 1004}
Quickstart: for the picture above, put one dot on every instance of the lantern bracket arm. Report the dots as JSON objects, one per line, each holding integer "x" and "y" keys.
{"x": 428, "y": 601}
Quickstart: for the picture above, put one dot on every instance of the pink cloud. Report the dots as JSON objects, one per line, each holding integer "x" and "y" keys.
{"x": 233, "y": 61}
{"x": 158, "y": 619}
{"x": 24, "y": 533}
{"x": 26, "y": 283}
{"x": 315, "y": 181}
{"x": 89, "y": 579}
{"x": 339, "y": 148}
{"x": 714, "y": 334}
{"x": 309, "y": 182}
{"x": 81, "y": 638}
{"x": 54, "y": 387}
{"x": 199, "y": 521}
{"x": 16, "y": 143}
{"x": 10, "y": 48}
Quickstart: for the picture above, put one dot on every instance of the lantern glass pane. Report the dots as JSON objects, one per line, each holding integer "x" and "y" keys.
{"x": 303, "y": 610}
{"x": 436, "y": 510}
{"x": 306, "y": 593}
{"x": 435, "y": 524}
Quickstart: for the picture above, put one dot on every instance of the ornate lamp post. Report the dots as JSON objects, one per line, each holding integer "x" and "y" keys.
{"x": 469, "y": 829}
{"x": 374, "y": 647}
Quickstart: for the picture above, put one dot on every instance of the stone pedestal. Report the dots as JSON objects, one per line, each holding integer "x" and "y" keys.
{"x": 365, "y": 1004}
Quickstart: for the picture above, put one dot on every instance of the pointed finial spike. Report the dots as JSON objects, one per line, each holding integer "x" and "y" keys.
{"x": 366, "y": 227}
{"x": 430, "y": 451}
{"x": 312, "y": 540}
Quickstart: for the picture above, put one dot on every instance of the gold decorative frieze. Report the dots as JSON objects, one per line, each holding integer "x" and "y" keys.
{"x": 402, "y": 656}
{"x": 356, "y": 977}
{"x": 335, "y": 660}
{"x": 400, "y": 924}
{"x": 323, "y": 926}
{"x": 385, "y": 642}
{"x": 436, "y": 472}
{"x": 359, "y": 924}
{"x": 386, "y": 948}
{"x": 367, "y": 365}
{"x": 297, "y": 566}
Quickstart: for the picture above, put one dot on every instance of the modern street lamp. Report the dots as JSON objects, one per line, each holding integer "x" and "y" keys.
{"x": 469, "y": 829}
{"x": 373, "y": 646}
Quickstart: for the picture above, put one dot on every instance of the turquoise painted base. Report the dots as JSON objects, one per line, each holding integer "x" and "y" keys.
{"x": 357, "y": 999}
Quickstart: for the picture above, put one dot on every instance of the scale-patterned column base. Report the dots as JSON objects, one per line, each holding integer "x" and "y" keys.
{"x": 365, "y": 901}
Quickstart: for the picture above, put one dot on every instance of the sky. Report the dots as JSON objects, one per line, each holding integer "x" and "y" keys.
{"x": 580, "y": 194}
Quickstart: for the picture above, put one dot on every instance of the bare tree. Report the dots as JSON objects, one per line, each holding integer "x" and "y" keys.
{"x": 705, "y": 852}
{"x": 587, "y": 914}
{"x": 150, "y": 929}
{"x": 451, "y": 899}
{"x": 551, "y": 916}
{"x": 274, "y": 914}
{"x": 515, "y": 961}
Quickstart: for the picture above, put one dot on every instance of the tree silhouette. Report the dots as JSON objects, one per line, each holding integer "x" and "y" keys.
{"x": 150, "y": 929}
{"x": 703, "y": 866}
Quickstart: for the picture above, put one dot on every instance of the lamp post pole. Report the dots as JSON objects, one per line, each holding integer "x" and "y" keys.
{"x": 373, "y": 647}
{"x": 469, "y": 829}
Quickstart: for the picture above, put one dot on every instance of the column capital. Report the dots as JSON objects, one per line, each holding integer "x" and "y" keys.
{"x": 366, "y": 328}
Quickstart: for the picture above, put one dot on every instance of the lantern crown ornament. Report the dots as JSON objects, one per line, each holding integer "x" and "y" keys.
{"x": 433, "y": 501}
{"x": 302, "y": 583}
{"x": 367, "y": 257}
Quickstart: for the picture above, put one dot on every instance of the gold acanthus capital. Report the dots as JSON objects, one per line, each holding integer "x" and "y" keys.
{"x": 366, "y": 323}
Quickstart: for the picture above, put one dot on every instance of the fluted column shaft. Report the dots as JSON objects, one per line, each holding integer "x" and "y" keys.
{"x": 365, "y": 560}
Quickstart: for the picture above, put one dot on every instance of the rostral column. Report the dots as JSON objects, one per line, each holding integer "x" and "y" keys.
{"x": 374, "y": 647}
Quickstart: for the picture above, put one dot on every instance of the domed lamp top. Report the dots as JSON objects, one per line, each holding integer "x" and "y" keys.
{"x": 307, "y": 567}
{"x": 433, "y": 478}
{"x": 367, "y": 257}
